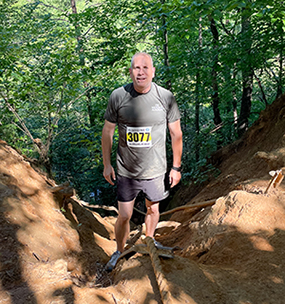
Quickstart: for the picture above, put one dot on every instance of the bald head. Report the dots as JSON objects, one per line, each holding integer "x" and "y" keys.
{"x": 141, "y": 54}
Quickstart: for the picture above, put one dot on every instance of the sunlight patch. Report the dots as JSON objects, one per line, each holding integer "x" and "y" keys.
{"x": 260, "y": 243}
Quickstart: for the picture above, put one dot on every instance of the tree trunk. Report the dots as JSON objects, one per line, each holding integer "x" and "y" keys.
{"x": 165, "y": 51}
{"x": 197, "y": 116}
{"x": 91, "y": 113}
{"x": 245, "y": 103}
{"x": 43, "y": 149}
{"x": 234, "y": 93}
{"x": 215, "y": 95}
{"x": 80, "y": 52}
{"x": 247, "y": 73}
{"x": 197, "y": 99}
{"x": 78, "y": 35}
{"x": 279, "y": 85}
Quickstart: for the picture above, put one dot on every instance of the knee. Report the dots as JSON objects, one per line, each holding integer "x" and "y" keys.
{"x": 152, "y": 210}
{"x": 123, "y": 218}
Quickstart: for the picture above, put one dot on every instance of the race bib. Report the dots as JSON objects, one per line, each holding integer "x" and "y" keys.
{"x": 139, "y": 137}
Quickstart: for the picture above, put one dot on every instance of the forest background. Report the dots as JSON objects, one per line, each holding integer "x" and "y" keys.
{"x": 60, "y": 60}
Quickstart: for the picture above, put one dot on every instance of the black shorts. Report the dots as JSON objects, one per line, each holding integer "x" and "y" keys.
{"x": 155, "y": 189}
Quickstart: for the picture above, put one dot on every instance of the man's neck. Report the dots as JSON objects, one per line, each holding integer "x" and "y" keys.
{"x": 142, "y": 91}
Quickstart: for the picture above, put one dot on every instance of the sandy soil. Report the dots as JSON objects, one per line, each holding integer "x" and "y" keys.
{"x": 53, "y": 249}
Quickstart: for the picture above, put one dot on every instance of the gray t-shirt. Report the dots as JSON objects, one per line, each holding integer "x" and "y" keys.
{"x": 142, "y": 121}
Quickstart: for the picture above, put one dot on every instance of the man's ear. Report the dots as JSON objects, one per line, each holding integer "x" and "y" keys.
{"x": 153, "y": 72}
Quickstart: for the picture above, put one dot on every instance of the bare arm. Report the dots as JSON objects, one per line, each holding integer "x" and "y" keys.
{"x": 107, "y": 143}
{"x": 177, "y": 147}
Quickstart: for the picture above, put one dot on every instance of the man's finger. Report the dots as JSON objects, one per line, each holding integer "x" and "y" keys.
{"x": 109, "y": 180}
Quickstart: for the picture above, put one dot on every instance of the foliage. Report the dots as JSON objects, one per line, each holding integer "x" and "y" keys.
{"x": 59, "y": 65}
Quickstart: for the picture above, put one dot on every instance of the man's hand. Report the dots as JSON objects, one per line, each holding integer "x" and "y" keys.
{"x": 107, "y": 142}
{"x": 174, "y": 178}
{"x": 109, "y": 174}
{"x": 177, "y": 146}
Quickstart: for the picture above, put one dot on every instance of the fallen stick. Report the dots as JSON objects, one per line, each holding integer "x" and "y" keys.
{"x": 59, "y": 187}
{"x": 109, "y": 208}
{"x": 194, "y": 206}
{"x": 189, "y": 207}
{"x": 162, "y": 282}
{"x": 275, "y": 181}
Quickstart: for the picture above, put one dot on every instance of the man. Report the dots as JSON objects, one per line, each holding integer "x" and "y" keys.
{"x": 142, "y": 110}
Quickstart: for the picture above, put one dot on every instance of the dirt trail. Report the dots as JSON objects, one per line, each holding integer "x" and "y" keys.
{"x": 53, "y": 249}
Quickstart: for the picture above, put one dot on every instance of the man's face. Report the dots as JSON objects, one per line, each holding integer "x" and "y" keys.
{"x": 142, "y": 73}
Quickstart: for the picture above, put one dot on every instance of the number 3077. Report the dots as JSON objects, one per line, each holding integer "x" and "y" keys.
{"x": 138, "y": 137}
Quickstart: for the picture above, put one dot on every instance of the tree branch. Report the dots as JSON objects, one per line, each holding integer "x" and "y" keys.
{"x": 261, "y": 89}
{"x": 51, "y": 6}
{"x": 11, "y": 109}
{"x": 78, "y": 97}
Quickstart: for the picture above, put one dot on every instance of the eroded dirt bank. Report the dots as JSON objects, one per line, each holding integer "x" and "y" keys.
{"x": 53, "y": 249}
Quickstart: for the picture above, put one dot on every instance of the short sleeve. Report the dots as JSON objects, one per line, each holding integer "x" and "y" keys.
{"x": 111, "y": 113}
{"x": 173, "y": 113}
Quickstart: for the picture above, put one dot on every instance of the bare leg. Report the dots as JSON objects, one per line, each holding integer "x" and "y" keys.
{"x": 122, "y": 226}
{"x": 152, "y": 217}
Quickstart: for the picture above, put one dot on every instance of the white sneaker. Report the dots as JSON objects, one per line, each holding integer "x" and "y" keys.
{"x": 113, "y": 261}
{"x": 160, "y": 246}
{"x": 157, "y": 244}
